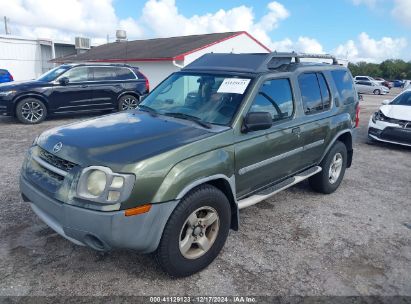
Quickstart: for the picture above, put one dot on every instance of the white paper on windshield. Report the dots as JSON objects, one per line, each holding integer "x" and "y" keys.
{"x": 233, "y": 85}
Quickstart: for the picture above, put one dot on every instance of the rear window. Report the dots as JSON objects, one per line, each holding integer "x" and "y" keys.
{"x": 345, "y": 86}
{"x": 3, "y": 72}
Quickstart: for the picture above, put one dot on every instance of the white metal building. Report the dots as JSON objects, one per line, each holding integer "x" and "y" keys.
{"x": 157, "y": 58}
{"x": 29, "y": 58}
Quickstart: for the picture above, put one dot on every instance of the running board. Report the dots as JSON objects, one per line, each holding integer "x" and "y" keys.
{"x": 270, "y": 191}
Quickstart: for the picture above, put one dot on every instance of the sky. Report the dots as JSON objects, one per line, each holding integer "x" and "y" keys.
{"x": 358, "y": 30}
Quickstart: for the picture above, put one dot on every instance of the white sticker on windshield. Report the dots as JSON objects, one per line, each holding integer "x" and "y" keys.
{"x": 233, "y": 85}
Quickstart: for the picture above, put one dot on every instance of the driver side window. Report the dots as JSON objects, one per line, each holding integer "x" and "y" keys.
{"x": 275, "y": 97}
{"x": 78, "y": 74}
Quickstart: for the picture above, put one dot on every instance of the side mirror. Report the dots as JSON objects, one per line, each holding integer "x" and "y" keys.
{"x": 64, "y": 81}
{"x": 255, "y": 121}
{"x": 386, "y": 102}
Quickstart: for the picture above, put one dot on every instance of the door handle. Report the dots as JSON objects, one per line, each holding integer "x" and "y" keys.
{"x": 84, "y": 86}
{"x": 296, "y": 130}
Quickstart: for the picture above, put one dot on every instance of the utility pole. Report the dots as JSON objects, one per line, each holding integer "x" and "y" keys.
{"x": 6, "y": 28}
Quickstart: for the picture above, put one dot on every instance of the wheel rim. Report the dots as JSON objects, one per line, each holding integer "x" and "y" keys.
{"x": 199, "y": 232}
{"x": 32, "y": 111}
{"x": 129, "y": 103}
{"x": 335, "y": 168}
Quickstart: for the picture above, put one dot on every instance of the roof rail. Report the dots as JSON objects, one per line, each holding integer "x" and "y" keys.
{"x": 277, "y": 59}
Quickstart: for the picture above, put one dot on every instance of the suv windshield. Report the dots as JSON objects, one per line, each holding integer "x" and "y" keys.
{"x": 402, "y": 100}
{"x": 53, "y": 74}
{"x": 206, "y": 98}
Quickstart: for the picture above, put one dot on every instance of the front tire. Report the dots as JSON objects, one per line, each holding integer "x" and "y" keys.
{"x": 31, "y": 111}
{"x": 333, "y": 169}
{"x": 128, "y": 102}
{"x": 195, "y": 232}
{"x": 377, "y": 92}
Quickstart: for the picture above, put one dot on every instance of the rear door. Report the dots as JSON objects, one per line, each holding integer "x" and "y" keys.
{"x": 315, "y": 131}
{"x": 109, "y": 82}
{"x": 266, "y": 156}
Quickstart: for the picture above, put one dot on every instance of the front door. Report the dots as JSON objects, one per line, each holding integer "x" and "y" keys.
{"x": 263, "y": 157}
{"x": 73, "y": 96}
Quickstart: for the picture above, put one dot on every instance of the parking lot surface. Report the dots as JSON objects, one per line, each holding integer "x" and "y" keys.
{"x": 356, "y": 241}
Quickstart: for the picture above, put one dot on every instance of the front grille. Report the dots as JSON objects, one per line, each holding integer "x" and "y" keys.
{"x": 56, "y": 161}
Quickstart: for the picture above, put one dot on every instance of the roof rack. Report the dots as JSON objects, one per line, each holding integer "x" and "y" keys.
{"x": 277, "y": 59}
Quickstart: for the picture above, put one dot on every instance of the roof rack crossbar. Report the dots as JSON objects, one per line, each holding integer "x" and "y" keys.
{"x": 277, "y": 59}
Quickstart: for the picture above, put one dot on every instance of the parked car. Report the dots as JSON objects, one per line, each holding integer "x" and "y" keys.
{"x": 369, "y": 87}
{"x": 392, "y": 122}
{"x": 224, "y": 133}
{"x": 5, "y": 76}
{"x": 384, "y": 82}
{"x": 364, "y": 78}
{"x": 74, "y": 88}
{"x": 398, "y": 83}
{"x": 406, "y": 83}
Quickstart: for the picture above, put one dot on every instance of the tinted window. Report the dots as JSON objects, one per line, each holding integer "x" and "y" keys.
{"x": 344, "y": 84}
{"x": 3, "y": 72}
{"x": 402, "y": 100}
{"x": 361, "y": 78}
{"x": 78, "y": 74}
{"x": 275, "y": 97}
{"x": 325, "y": 92}
{"x": 105, "y": 73}
{"x": 125, "y": 74}
{"x": 310, "y": 92}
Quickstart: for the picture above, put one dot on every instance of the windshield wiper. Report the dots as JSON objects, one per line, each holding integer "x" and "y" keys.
{"x": 147, "y": 109}
{"x": 189, "y": 117}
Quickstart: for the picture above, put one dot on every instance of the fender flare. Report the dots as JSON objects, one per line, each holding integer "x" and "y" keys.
{"x": 334, "y": 140}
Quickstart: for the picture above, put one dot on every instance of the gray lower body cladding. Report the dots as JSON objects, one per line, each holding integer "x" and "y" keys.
{"x": 97, "y": 229}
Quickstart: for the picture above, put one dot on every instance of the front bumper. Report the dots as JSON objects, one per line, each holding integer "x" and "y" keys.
{"x": 389, "y": 133}
{"x": 98, "y": 229}
{"x": 6, "y": 106}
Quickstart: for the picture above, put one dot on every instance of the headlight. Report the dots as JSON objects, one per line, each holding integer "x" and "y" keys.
{"x": 100, "y": 184}
{"x": 96, "y": 182}
{"x": 378, "y": 116}
{"x": 7, "y": 93}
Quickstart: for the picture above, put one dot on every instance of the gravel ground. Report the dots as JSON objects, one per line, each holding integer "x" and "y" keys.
{"x": 356, "y": 241}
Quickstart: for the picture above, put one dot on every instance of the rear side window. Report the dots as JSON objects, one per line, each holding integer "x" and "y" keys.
{"x": 125, "y": 74}
{"x": 315, "y": 93}
{"x": 3, "y": 72}
{"x": 345, "y": 86}
{"x": 275, "y": 97}
{"x": 105, "y": 73}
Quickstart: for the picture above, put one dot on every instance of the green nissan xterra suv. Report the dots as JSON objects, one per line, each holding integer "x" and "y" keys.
{"x": 225, "y": 132}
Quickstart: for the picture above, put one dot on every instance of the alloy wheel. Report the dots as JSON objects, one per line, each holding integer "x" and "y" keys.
{"x": 199, "y": 232}
{"x": 32, "y": 111}
{"x": 335, "y": 168}
{"x": 129, "y": 103}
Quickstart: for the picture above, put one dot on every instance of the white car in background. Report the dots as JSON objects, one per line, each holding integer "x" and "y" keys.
{"x": 370, "y": 87}
{"x": 392, "y": 122}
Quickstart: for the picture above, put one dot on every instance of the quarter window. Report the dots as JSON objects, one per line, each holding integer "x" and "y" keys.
{"x": 275, "y": 97}
{"x": 315, "y": 93}
{"x": 125, "y": 74}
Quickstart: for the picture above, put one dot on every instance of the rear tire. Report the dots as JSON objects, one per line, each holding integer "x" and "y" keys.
{"x": 377, "y": 92}
{"x": 183, "y": 250}
{"x": 31, "y": 111}
{"x": 333, "y": 169}
{"x": 128, "y": 102}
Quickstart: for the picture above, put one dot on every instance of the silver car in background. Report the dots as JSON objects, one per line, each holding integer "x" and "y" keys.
{"x": 370, "y": 87}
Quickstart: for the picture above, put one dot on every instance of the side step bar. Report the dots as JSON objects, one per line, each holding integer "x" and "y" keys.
{"x": 270, "y": 191}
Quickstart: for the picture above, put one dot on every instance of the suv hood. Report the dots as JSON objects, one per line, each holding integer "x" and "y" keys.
{"x": 397, "y": 112}
{"x": 19, "y": 84}
{"x": 119, "y": 139}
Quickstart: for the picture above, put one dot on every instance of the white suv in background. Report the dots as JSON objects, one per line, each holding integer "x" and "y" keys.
{"x": 392, "y": 122}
